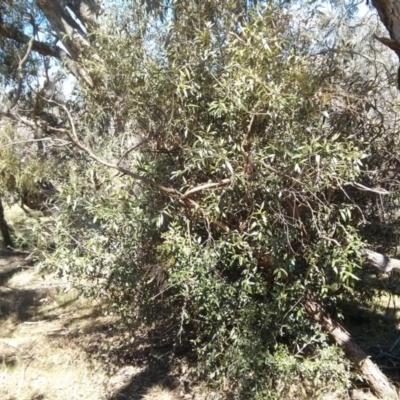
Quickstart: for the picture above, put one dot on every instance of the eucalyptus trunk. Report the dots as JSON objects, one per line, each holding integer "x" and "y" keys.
{"x": 389, "y": 13}
{"x": 5, "y": 229}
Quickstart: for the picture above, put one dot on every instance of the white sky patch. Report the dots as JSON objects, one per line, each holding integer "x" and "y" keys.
{"x": 363, "y": 10}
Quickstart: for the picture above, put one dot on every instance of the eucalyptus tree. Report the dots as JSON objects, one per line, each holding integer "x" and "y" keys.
{"x": 389, "y": 13}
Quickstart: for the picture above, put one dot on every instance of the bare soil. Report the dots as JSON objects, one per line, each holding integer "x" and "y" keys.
{"x": 57, "y": 345}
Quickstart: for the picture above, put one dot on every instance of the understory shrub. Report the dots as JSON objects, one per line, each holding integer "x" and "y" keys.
{"x": 239, "y": 202}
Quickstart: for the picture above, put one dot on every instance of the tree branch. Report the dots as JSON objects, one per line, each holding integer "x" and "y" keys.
{"x": 382, "y": 262}
{"x": 42, "y": 48}
{"x": 206, "y": 186}
{"x": 389, "y": 13}
{"x": 45, "y": 139}
{"x": 73, "y": 137}
{"x": 47, "y": 49}
{"x": 86, "y": 10}
{"x": 20, "y": 76}
{"x": 67, "y": 29}
{"x": 375, "y": 379}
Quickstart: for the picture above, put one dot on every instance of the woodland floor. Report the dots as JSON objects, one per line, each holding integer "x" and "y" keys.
{"x": 57, "y": 345}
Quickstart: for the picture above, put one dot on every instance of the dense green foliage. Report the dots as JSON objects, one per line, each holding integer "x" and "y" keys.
{"x": 220, "y": 103}
{"x": 251, "y": 142}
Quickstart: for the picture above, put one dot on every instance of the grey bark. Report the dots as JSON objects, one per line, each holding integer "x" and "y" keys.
{"x": 86, "y": 10}
{"x": 5, "y": 229}
{"x": 382, "y": 262}
{"x": 69, "y": 31}
{"x": 47, "y": 49}
{"x": 71, "y": 21}
{"x": 389, "y": 13}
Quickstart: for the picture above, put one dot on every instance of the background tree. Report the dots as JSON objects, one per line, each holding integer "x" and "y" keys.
{"x": 389, "y": 13}
{"x": 5, "y": 229}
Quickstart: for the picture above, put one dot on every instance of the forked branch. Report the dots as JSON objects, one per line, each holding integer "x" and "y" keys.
{"x": 183, "y": 197}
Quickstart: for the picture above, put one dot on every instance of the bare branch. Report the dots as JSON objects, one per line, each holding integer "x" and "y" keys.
{"x": 245, "y": 142}
{"x": 389, "y": 13}
{"x": 206, "y": 186}
{"x": 16, "y": 118}
{"x": 74, "y": 139}
{"x": 68, "y": 30}
{"x": 43, "y": 48}
{"x": 136, "y": 146}
{"x": 64, "y": 142}
{"x": 368, "y": 370}
{"x": 47, "y": 49}
{"x": 372, "y": 190}
{"x": 20, "y": 76}
{"x": 86, "y": 10}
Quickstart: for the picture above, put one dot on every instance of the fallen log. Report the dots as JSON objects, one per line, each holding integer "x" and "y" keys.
{"x": 373, "y": 376}
{"x": 382, "y": 262}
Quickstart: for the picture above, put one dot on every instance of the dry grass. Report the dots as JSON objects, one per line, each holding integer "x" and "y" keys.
{"x": 46, "y": 330}
{"x": 45, "y": 370}
{"x": 39, "y": 361}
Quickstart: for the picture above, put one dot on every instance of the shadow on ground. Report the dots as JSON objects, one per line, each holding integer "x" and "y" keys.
{"x": 49, "y": 334}
{"x": 12, "y": 300}
{"x": 12, "y": 263}
{"x": 154, "y": 379}
{"x": 375, "y": 324}
{"x": 143, "y": 363}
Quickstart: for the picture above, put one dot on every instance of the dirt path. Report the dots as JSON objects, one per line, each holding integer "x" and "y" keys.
{"x": 47, "y": 338}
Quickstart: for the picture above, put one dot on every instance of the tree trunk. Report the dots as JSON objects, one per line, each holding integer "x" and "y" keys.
{"x": 372, "y": 375}
{"x": 86, "y": 11}
{"x": 4, "y": 228}
{"x": 389, "y": 13}
{"x": 71, "y": 30}
{"x": 68, "y": 30}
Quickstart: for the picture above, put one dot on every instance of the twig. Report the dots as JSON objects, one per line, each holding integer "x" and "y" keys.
{"x": 74, "y": 139}
{"x": 331, "y": 240}
{"x": 367, "y": 189}
{"x": 395, "y": 344}
{"x": 291, "y": 309}
{"x": 247, "y": 137}
{"x": 33, "y": 140}
{"x": 132, "y": 149}
{"x": 19, "y": 71}
{"x": 205, "y": 187}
